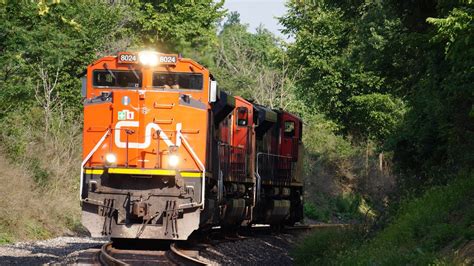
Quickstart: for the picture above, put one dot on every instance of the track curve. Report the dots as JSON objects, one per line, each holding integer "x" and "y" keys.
{"x": 173, "y": 256}
{"x": 106, "y": 259}
{"x": 186, "y": 259}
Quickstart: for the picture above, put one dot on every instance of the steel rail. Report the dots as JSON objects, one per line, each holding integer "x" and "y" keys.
{"x": 108, "y": 255}
{"x": 187, "y": 260}
{"x": 174, "y": 256}
{"x": 106, "y": 259}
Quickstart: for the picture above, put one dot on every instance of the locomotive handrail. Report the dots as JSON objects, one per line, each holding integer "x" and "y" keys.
{"x": 256, "y": 194}
{"x": 201, "y": 165}
{"x": 270, "y": 155}
{"x": 258, "y": 185}
{"x": 230, "y": 160}
{"x": 87, "y": 159}
{"x": 274, "y": 155}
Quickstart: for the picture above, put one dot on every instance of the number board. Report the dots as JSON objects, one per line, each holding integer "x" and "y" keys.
{"x": 167, "y": 59}
{"x": 132, "y": 58}
{"x": 127, "y": 58}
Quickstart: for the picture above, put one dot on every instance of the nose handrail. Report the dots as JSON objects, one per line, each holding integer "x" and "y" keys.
{"x": 88, "y": 158}
{"x": 201, "y": 166}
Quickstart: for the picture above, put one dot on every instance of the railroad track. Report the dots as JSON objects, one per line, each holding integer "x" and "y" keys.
{"x": 175, "y": 255}
{"x": 300, "y": 227}
{"x": 316, "y": 226}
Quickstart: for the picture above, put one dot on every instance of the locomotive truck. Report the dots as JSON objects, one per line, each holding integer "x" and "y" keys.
{"x": 166, "y": 152}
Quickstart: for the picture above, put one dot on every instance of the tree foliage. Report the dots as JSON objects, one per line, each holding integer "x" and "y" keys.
{"x": 182, "y": 26}
{"x": 397, "y": 72}
{"x": 49, "y": 36}
{"x": 337, "y": 49}
{"x": 254, "y": 65}
{"x": 53, "y": 37}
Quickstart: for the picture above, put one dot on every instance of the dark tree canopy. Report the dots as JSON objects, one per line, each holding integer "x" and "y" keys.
{"x": 398, "y": 72}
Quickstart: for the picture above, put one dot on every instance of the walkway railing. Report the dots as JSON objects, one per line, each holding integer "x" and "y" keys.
{"x": 275, "y": 168}
{"x": 232, "y": 162}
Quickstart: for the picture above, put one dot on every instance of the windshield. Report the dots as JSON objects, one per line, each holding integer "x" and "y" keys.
{"x": 189, "y": 81}
{"x": 117, "y": 79}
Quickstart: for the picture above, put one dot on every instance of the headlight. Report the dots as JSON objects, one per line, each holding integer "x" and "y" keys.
{"x": 110, "y": 158}
{"x": 148, "y": 58}
{"x": 173, "y": 160}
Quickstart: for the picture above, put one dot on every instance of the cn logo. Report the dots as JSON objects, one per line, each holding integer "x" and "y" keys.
{"x": 150, "y": 129}
{"x": 125, "y": 115}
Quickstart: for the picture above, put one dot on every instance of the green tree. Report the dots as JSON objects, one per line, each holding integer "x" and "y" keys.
{"x": 181, "y": 26}
{"x": 253, "y": 65}
{"x": 60, "y": 39}
{"x": 397, "y": 72}
{"x": 337, "y": 50}
{"x": 438, "y": 134}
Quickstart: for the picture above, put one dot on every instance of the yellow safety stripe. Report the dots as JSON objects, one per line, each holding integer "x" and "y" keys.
{"x": 190, "y": 174}
{"x": 94, "y": 171}
{"x": 138, "y": 171}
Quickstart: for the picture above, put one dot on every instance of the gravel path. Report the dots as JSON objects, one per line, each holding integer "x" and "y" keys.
{"x": 54, "y": 250}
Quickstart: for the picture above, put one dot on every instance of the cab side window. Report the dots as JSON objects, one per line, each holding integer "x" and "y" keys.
{"x": 242, "y": 116}
{"x": 187, "y": 81}
{"x": 116, "y": 79}
{"x": 289, "y": 129}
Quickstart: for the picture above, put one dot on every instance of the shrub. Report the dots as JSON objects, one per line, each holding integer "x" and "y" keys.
{"x": 320, "y": 213}
{"x": 423, "y": 226}
{"x": 348, "y": 204}
{"x": 323, "y": 246}
{"x": 5, "y": 236}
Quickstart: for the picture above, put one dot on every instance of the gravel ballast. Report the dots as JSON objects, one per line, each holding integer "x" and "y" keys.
{"x": 264, "y": 249}
{"x": 56, "y": 250}
{"x": 271, "y": 249}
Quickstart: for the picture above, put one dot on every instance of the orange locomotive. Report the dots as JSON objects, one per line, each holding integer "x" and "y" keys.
{"x": 166, "y": 153}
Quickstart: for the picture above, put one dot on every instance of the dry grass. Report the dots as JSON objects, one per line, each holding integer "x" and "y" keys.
{"x": 23, "y": 209}
{"x": 28, "y": 212}
{"x": 356, "y": 178}
{"x": 39, "y": 197}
